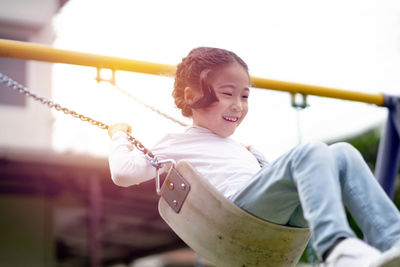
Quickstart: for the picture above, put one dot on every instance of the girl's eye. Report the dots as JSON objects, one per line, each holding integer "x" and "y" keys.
{"x": 245, "y": 96}
{"x": 226, "y": 93}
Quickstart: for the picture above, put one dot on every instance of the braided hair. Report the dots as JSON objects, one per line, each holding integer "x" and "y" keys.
{"x": 194, "y": 72}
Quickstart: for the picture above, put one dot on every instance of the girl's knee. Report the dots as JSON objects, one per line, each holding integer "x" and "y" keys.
{"x": 343, "y": 148}
{"x": 345, "y": 155}
{"x": 314, "y": 147}
{"x": 312, "y": 150}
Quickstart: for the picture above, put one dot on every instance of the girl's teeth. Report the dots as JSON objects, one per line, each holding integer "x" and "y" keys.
{"x": 233, "y": 119}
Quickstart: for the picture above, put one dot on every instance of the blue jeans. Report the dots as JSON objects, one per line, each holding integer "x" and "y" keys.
{"x": 308, "y": 186}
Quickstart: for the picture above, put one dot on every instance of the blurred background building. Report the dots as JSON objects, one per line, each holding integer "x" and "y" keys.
{"x": 26, "y": 220}
{"x": 29, "y": 21}
{"x": 61, "y": 208}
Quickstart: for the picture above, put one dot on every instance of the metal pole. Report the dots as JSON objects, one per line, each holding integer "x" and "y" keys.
{"x": 39, "y": 52}
{"x": 387, "y": 162}
{"x": 30, "y": 51}
{"x": 306, "y": 89}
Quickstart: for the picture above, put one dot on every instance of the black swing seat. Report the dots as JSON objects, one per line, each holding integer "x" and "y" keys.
{"x": 221, "y": 232}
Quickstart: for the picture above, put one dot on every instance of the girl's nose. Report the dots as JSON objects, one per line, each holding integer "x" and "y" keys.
{"x": 237, "y": 105}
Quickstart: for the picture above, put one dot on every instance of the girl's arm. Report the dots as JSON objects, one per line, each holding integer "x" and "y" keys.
{"x": 127, "y": 166}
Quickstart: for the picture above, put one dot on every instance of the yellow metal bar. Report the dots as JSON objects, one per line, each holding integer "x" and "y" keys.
{"x": 30, "y": 51}
{"x": 298, "y": 88}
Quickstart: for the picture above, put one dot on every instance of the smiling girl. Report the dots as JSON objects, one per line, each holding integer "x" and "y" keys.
{"x": 306, "y": 187}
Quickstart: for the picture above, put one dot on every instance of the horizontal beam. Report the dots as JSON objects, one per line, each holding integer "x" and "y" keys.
{"x": 38, "y": 52}
{"x": 30, "y": 51}
{"x": 305, "y": 89}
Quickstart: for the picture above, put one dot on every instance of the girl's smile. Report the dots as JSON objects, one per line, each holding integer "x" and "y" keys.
{"x": 231, "y": 84}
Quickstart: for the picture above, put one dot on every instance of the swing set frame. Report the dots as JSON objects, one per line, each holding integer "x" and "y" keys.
{"x": 388, "y": 158}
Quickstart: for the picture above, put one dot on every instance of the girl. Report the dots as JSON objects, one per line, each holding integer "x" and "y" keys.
{"x": 306, "y": 187}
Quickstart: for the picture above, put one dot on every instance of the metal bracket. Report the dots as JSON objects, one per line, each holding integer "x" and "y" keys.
{"x": 175, "y": 190}
{"x": 299, "y": 103}
{"x": 111, "y": 80}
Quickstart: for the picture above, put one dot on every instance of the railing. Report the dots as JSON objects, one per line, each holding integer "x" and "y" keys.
{"x": 389, "y": 148}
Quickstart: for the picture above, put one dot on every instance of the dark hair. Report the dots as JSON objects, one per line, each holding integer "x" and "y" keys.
{"x": 194, "y": 71}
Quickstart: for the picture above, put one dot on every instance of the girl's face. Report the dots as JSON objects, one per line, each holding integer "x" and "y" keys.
{"x": 231, "y": 85}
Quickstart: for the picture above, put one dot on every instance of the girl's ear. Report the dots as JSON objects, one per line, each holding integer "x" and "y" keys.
{"x": 189, "y": 95}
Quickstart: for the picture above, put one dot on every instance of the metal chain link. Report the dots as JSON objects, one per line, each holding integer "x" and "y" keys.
{"x": 154, "y": 160}
{"x": 150, "y": 107}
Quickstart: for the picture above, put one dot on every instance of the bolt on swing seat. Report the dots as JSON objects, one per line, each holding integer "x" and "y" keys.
{"x": 221, "y": 232}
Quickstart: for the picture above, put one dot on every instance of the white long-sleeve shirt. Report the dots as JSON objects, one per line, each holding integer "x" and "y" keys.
{"x": 225, "y": 163}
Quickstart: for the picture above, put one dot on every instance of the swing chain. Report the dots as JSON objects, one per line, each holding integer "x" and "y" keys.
{"x": 113, "y": 82}
{"x": 150, "y": 107}
{"x": 154, "y": 160}
{"x": 50, "y": 103}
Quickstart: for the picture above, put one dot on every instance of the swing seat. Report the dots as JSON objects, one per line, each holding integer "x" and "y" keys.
{"x": 224, "y": 234}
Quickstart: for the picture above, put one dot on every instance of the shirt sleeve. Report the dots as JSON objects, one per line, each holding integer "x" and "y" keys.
{"x": 127, "y": 165}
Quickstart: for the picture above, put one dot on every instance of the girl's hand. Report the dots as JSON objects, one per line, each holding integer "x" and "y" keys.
{"x": 117, "y": 127}
{"x": 248, "y": 147}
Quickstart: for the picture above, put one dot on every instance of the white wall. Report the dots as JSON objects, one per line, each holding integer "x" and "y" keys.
{"x": 36, "y": 12}
{"x": 28, "y": 126}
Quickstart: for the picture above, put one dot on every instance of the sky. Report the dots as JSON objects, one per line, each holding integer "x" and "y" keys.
{"x": 353, "y": 45}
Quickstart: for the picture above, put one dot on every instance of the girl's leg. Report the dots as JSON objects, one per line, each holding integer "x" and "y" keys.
{"x": 308, "y": 174}
{"x": 365, "y": 199}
